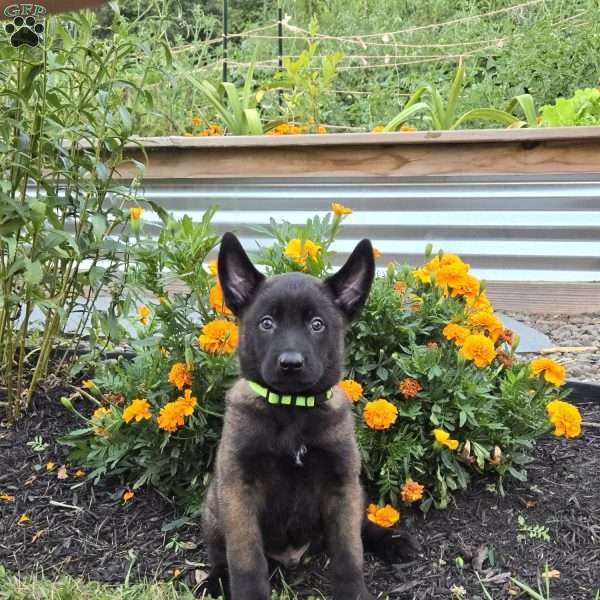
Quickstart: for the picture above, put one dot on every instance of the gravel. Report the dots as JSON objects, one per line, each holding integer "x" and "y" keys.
{"x": 571, "y": 330}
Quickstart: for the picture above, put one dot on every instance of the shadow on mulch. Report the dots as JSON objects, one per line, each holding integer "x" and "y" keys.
{"x": 87, "y": 531}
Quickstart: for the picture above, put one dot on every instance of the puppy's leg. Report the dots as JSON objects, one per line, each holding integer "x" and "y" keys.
{"x": 342, "y": 516}
{"x": 390, "y": 545}
{"x": 247, "y": 564}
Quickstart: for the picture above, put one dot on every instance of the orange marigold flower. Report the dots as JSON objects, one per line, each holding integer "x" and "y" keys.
{"x": 407, "y": 128}
{"x": 479, "y": 303}
{"x": 504, "y": 359}
{"x": 451, "y": 276}
{"x": 187, "y": 402}
{"x": 507, "y": 336}
{"x": 196, "y": 121}
{"x": 387, "y": 516}
{"x": 443, "y": 438}
{"x": 479, "y": 349}
{"x": 411, "y": 491}
{"x": 457, "y": 333}
{"x": 139, "y": 410}
{"x": 321, "y": 129}
{"x": 299, "y": 251}
{"x": 180, "y": 375}
{"x": 339, "y": 210}
{"x": 219, "y": 336}
{"x": 376, "y": 252}
{"x": 212, "y": 267}
{"x": 135, "y": 212}
{"x": 380, "y": 414}
{"x": 128, "y": 495}
{"x": 171, "y": 416}
{"x": 400, "y": 287}
{"x": 552, "y": 371}
{"x": 215, "y": 298}
{"x": 101, "y": 412}
{"x": 352, "y": 388}
{"x": 467, "y": 286}
{"x": 565, "y": 417}
{"x": 488, "y": 322}
{"x": 144, "y": 314}
{"x": 409, "y": 387}
{"x": 88, "y": 384}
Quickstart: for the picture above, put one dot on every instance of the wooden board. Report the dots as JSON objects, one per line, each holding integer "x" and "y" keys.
{"x": 458, "y": 153}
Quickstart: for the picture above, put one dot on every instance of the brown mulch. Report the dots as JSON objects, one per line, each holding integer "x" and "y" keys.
{"x": 87, "y": 531}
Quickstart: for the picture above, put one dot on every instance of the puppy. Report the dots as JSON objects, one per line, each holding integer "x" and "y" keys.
{"x": 288, "y": 466}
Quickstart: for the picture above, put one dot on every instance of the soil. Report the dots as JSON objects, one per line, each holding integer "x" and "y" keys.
{"x": 86, "y": 530}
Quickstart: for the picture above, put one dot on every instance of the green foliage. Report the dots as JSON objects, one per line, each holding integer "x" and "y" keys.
{"x": 532, "y": 532}
{"x": 443, "y": 116}
{"x": 67, "y": 112}
{"x": 582, "y": 109}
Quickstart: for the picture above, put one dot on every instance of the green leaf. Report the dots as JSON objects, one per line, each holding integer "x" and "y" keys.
{"x": 34, "y": 273}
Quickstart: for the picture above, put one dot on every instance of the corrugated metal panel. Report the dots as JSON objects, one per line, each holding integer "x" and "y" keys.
{"x": 507, "y": 228}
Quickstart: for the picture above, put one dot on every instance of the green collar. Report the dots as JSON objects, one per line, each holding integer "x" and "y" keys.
{"x": 303, "y": 401}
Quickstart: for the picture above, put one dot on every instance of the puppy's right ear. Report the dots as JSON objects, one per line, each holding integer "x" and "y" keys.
{"x": 238, "y": 277}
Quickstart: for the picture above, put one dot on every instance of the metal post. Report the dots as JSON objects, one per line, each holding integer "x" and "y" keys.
{"x": 280, "y": 46}
{"x": 225, "y": 36}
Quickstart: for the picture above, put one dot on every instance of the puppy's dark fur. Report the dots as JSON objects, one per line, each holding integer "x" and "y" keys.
{"x": 288, "y": 477}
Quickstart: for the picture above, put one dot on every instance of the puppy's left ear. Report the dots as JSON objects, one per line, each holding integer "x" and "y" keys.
{"x": 238, "y": 277}
{"x": 350, "y": 286}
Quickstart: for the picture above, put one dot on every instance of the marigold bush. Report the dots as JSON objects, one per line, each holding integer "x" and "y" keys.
{"x": 437, "y": 390}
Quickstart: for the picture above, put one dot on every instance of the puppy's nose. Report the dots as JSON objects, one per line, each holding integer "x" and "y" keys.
{"x": 291, "y": 361}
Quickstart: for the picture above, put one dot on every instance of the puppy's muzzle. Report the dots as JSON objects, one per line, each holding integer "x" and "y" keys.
{"x": 291, "y": 362}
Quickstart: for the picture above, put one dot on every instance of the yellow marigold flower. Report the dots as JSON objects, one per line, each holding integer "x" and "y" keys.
{"x": 196, "y": 121}
{"x": 176, "y": 572}
{"x": 101, "y": 412}
{"x": 212, "y": 267}
{"x": 180, "y": 375}
{"x": 451, "y": 276}
{"x": 139, "y": 409}
{"x": 378, "y": 129}
{"x": 219, "y": 336}
{"x": 135, "y": 212}
{"x": 128, "y": 495}
{"x": 144, "y": 314}
{"x": 443, "y": 439}
{"x": 7, "y": 498}
{"x": 407, "y": 128}
{"x": 215, "y": 298}
{"x": 400, "y": 287}
{"x": 187, "y": 402}
{"x": 456, "y": 332}
{"x": 479, "y": 349}
{"x": 299, "y": 251}
{"x": 23, "y": 519}
{"x": 565, "y": 417}
{"x": 80, "y": 473}
{"x": 321, "y": 129}
{"x": 352, "y": 388}
{"x": 387, "y": 516}
{"x": 376, "y": 252}
{"x": 467, "y": 286}
{"x": 423, "y": 275}
{"x": 553, "y": 372}
{"x": 409, "y": 387}
{"x": 411, "y": 491}
{"x": 88, "y": 384}
{"x": 479, "y": 302}
{"x": 488, "y": 322}
{"x": 380, "y": 414}
{"x": 340, "y": 210}
{"x": 171, "y": 416}
{"x": 50, "y": 466}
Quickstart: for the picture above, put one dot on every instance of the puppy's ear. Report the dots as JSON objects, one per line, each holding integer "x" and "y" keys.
{"x": 237, "y": 275}
{"x": 350, "y": 286}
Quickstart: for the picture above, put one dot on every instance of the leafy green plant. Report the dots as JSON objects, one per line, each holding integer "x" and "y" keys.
{"x": 64, "y": 219}
{"x": 533, "y": 532}
{"x": 444, "y": 115}
{"x": 581, "y": 109}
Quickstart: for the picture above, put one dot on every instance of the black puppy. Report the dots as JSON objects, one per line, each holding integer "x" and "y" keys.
{"x": 288, "y": 466}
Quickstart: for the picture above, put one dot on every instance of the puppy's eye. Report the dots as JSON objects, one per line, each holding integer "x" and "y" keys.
{"x": 266, "y": 323}
{"x": 317, "y": 324}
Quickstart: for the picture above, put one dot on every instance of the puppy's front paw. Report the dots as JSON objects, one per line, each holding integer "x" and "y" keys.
{"x": 399, "y": 546}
